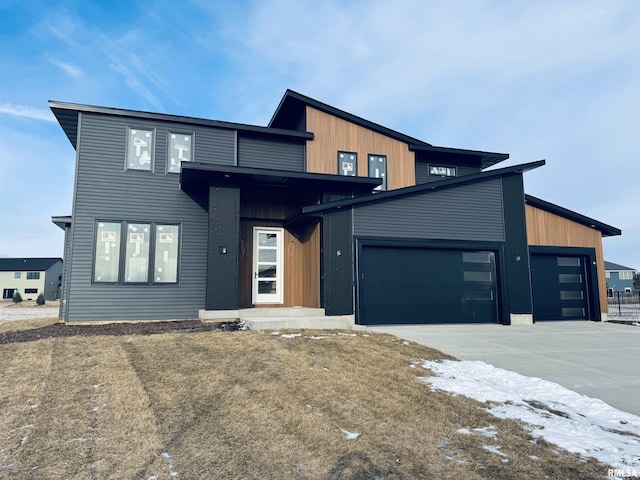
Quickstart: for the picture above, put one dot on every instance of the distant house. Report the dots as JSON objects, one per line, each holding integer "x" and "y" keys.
{"x": 30, "y": 277}
{"x": 320, "y": 212}
{"x": 619, "y": 277}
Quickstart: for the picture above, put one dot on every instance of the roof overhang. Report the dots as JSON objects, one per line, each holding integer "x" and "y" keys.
{"x": 486, "y": 159}
{"x": 420, "y": 189}
{"x": 67, "y": 115}
{"x": 195, "y": 176}
{"x": 62, "y": 221}
{"x": 605, "y": 230}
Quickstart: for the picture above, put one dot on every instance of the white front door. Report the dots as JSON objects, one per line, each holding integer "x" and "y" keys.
{"x": 267, "y": 265}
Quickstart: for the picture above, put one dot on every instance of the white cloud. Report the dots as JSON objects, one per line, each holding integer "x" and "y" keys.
{"x": 27, "y": 111}
{"x": 68, "y": 68}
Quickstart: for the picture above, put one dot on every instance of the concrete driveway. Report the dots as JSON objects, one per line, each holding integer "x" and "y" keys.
{"x": 600, "y": 360}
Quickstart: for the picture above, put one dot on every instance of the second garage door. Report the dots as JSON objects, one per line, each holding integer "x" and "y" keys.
{"x": 407, "y": 285}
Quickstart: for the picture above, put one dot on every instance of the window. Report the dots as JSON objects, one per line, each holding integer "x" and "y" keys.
{"x": 180, "y": 150}
{"x": 140, "y": 145}
{"x": 165, "y": 265}
{"x": 140, "y": 243}
{"x": 348, "y": 164}
{"x": 136, "y": 265}
{"x": 30, "y": 290}
{"x": 17, "y": 275}
{"x": 626, "y": 275}
{"x": 378, "y": 169}
{"x": 33, "y": 275}
{"x": 442, "y": 171}
{"x": 107, "y": 254}
{"x": 607, "y": 274}
{"x": 568, "y": 261}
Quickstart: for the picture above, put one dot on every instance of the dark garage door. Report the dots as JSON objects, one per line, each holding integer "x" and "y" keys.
{"x": 407, "y": 285}
{"x": 559, "y": 287}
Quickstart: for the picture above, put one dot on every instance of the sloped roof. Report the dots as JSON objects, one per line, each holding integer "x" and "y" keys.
{"x": 27, "y": 264}
{"x": 606, "y": 230}
{"x": 421, "y": 188}
{"x": 67, "y": 115}
{"x": 292, "y": 105}
{"x": 617, "y": 267}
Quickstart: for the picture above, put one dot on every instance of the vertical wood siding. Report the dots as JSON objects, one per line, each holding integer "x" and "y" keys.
{"x": 466, "y": 212}
{"x": 106, "y": 191}
{"x": 332, "y": 134}
{"x": 268, "y": 153}
{"x": 548, "y": 229}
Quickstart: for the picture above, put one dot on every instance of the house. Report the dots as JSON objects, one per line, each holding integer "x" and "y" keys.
{"x": 176, "y": 217}
{"x": 31, "y": 277}
{"x": 619, "y": 278}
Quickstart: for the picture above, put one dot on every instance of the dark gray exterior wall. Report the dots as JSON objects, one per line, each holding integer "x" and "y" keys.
{"x": 471, "y": 212}
{"x": 66, "y": 271}
{"x": 224, "y": 241}
{"x": 267, "y": 153}
{"x": 104, "y": 190}
{"x": 422, "y": 171}
{"x": 52, "y": 281}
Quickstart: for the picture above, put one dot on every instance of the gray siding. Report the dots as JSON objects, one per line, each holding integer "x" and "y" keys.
{"x": 51, "y": 282}
{"x": 466, "y": 212}
{"x": 106, "y": 191}
{"x": 266, "y": 153}
{"x": 66, "y": 273}
{"x": 422, "y": 171}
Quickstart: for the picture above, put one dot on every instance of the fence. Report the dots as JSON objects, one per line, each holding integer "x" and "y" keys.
{"x": 623, "y": 305}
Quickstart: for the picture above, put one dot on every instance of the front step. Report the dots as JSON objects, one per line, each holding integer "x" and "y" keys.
{"x": 280, "y": 318}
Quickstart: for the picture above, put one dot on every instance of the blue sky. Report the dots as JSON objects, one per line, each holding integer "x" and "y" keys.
{"x": 554, "y": 80}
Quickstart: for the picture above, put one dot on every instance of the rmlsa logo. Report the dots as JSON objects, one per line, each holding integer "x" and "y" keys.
{"x": 622, "y": 472}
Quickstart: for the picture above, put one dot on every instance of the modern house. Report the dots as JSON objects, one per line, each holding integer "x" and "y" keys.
{"x": 31, "y": 277}
{"x": 619, "y": 278}
{"x": 178, "y": 218}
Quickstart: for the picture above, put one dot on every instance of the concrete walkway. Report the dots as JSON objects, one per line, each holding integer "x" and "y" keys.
{"x": 600, "y": 360}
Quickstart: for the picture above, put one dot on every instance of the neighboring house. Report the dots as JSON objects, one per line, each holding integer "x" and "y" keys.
{"x": 619, "y": 278}
{"x": 177, "y": 217}
{"x": 30, "y": 277}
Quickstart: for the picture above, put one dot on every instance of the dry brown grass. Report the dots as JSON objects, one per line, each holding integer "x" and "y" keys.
{"x": 247, "y": 405}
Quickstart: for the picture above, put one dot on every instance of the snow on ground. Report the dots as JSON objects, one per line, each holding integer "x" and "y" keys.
{"x": 582, "y": 425}
{"x": 9, "y": 312}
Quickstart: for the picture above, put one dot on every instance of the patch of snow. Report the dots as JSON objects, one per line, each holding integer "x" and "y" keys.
{"x": 412, "y": 366}
{"x": 496, "y": 449}
{"x": 349, "y": 435}
{"x": 35, "y": 405}
{"x": 582, "y": 425}
{"x": 533, "y": 457}
{"x": 24, "y": 440}
{"x": 489, "y": 432}
{"x": 405, "y": 343}
{"x": 349, "y": 335}
{"x": 291, "y": 335}
{"x": 169, "y": 460}
{"x": 313, "y": 337}
{"x": 275, "y": 333}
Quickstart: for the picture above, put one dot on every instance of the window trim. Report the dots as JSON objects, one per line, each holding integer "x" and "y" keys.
{"x": 124, "y": 224}
{"x": 385, "y": 179}
{"x": 152, "y": 153}
{"x": 355, "y": 169}
{"x": 191, "y": 150}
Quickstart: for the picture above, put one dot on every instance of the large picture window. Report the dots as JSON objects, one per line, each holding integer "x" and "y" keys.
{"x": 107, "y": 253}
{"x": 140, "y": 145}
{"x": 378, "y": 169}
{"x": 123, "y": 251}
{"x": 180, "y": 150}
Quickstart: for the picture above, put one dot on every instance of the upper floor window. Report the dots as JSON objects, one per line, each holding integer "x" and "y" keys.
{"x": 33, "y": 275}
{"x": 140, "y": 146}
{"x": 180, "y": 150}
{"x": 378, "y": 169}
{"x": 607, "y": 274}
{"x": 442, "y": 171}
{"x": 626, "y": 275}
{"x": 17, "y": 274}
{"x": 348, "y": 164}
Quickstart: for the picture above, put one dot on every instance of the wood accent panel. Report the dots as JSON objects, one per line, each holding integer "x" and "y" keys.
{"x": 301, "y": 264}
{"x": 548, "y": 229}
{"x": 332, "y": 134}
